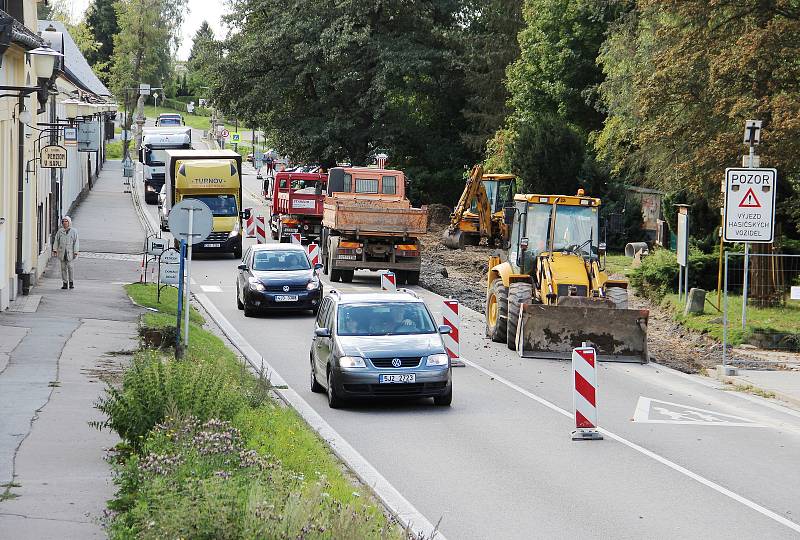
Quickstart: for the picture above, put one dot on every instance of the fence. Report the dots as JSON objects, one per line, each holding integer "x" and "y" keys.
{"x": 760, "y": 308}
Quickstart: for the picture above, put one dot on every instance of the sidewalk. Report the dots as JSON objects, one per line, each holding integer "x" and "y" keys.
{"x": 57, "y": 347}
{"x": 782, "y": 384}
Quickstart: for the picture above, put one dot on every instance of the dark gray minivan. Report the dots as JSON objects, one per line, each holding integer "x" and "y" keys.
{"x": 379, "y": 345}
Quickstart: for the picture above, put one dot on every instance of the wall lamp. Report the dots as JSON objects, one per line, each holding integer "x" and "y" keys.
{"x": 44, "y": 59}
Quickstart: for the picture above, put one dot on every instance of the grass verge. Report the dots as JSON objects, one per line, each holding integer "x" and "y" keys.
{"x": 774, "y": 320}
{"x": 618, "y": 264}
{"x": 207, "y": 453}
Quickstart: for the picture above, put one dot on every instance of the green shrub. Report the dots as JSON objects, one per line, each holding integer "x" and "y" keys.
{"x": 200, "y": 480}
{"x": 658, "y": 274}
{"x": 114, "y": 150}
{"x": 154, "y": 386}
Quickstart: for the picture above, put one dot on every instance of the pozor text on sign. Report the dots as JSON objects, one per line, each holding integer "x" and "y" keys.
{"x": 749, "y": 205}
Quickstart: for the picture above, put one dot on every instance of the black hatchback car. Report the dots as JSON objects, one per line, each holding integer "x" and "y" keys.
{"x": 277, "y": 276}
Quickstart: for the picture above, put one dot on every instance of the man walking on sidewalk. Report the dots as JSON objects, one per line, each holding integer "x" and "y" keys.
{"x": 65, "y": 247}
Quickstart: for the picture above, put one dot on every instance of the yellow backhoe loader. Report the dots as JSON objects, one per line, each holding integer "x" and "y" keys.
{"x": 552, "y": 294}
{"x": 479, "y": 212}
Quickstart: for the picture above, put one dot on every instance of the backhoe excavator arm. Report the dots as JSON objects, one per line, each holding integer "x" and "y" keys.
{"x": 473, "y": 190}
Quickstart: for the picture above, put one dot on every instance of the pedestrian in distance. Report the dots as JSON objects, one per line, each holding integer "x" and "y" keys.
{"x": 65, "y": 247}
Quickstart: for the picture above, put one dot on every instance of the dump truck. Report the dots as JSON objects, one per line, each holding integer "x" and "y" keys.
{"x": 479, "y": 212}
{"x": 552, "y": 293}
{"x": 298, "y": 199}
{"x": 152, "y": 154}
{"x": 213, "y": 177}
{"x": 368, "y": 223}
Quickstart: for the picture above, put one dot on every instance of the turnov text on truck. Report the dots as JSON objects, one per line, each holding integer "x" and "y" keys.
{"x": 368, "y": 223}
{"x": 152, "y": 154}
{"x": 213, "y": 177}
{"x": 297, "y": 202}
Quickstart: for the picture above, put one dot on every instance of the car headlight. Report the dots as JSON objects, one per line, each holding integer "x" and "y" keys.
{"x": 352, "y": 362}
{"x": 438, "y": 360}
{"x": 150, "y": 188}
{"x": 235, "y": 231}
{"x": 313, "y": 285}
{"x": 256, "y": 284}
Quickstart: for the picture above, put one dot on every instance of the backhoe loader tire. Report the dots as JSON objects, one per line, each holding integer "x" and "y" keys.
{"x": 619, "y": 296}
{"x": 519, "y": 293}
{"x": 496, "y": 324}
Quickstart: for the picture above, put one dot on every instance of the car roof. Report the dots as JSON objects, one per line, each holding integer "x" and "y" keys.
{"x": 278, "y": 247}
{"x": 376, "y": 298}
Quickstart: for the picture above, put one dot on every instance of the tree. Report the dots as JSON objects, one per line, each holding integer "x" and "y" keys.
{"x": 203, "y": 55}
{"x": 340, "y": 80}
{"x": 144, "y": 47}
{"x": 101, "y": 18}
{"x": 59, "y": 10}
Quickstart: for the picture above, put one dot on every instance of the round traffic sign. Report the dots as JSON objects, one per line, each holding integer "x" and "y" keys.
{"x": 201, "y": 225}
{"x": 225, "y": 133}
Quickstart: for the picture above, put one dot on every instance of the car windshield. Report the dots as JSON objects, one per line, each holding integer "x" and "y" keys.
{"x": 167, "y": 121}
{"x": 576, "y": 227}
{"x": 266, "y": 261}
{"x": 381, "y": 319}
{"x": 220, "y": 205}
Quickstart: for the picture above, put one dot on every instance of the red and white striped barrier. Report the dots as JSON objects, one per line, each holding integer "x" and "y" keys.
{"x": 261, "y": 230}
{"x": 295, "y": 238}
{"x": 584, "y": 394}
{"x": 388, "y": 282}
{"x": 313, "y": 253}
{"x": 250, "y": 225}
{"x": 452, "y": 343}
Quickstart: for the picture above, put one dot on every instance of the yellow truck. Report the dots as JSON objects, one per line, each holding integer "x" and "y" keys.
{"x": 215, "y": 178}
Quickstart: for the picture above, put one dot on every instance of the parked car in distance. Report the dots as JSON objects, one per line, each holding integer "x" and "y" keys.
{"x": 379, "y": 345}
{"x": 169, "y": 119}
{"x": 277, "y": 276}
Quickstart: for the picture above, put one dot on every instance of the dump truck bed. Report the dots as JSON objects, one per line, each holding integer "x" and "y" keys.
{"x": 374, "y": 216}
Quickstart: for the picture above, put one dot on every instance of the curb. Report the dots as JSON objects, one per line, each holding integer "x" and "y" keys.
{"x": 741, "y": 381}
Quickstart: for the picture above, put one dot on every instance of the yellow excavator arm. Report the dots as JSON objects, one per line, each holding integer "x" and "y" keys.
{"x": 473, "y": 190}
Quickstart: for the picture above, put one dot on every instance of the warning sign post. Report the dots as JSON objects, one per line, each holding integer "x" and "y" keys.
{"x": 749, "y": 205}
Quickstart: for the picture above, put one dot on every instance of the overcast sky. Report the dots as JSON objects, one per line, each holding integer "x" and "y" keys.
{"x": 211, "y": 11}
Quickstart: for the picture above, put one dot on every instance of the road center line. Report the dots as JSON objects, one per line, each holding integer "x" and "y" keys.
{"x": 406, "y": 513}
{"x": 664, "y": 461}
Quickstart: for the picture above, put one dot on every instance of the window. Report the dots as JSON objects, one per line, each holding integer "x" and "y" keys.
{"x": 379, "y": 319}
{"x": 347, "y": 184}
{"x": 389, "y": 185}
{"x": 220, "y": 205}
{"x": 366, "y": 185}
{"x": 323, "y": 311}
{"x": 288, "y": 260}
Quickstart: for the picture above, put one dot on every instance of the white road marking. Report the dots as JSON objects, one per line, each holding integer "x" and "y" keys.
{"x": 664, "y": 461}
{"x": 406, "y": 513}
{"x": 210, "y": 288}
{"x": 685, "y": 415}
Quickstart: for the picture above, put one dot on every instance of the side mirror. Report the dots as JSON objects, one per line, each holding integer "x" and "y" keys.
{"x": 601, "y": 249}
{"x": 508, "y": 215}
{"x": 245, "y": 213}
{"x": 141, "y": 156}
{"x": 242, "y": 267}
{"x": 322, "y": 332}
{"x": 444, "y": 329}
{"x": 318, "y": 266}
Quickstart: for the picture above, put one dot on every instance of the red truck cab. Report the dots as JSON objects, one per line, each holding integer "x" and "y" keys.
{"x": 298, "y": 200}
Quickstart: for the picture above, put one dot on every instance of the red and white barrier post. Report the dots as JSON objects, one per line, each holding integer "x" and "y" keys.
{"x": 452, "y": 342}
{"x": 296, "y": 238}
{"x": 388, "y": 282}
{"x": 250, "y": 225}
{"x": 313, "y": 253}
{"x": 584, "y": 393}
{"x": 261, "y": 230}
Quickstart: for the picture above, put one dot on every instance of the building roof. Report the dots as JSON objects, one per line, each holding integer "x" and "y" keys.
{"x": 76, "y": 68}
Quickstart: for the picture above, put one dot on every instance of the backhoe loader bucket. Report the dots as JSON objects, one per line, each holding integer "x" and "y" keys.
{"x": 618, "y": 335}
{"x": 453, "y": 239}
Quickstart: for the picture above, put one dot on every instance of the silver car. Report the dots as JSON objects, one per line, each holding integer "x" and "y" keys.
{"x": 379, "y": 345}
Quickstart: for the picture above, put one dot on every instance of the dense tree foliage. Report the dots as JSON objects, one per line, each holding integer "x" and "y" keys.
{"x": 101, "y": 18}
{"x": 203, "y": 57}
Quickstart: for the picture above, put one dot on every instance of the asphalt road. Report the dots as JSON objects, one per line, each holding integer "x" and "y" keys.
{"x": 693, "y": 461}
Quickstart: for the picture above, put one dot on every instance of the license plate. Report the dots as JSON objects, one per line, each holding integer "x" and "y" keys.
{"x": 346, "y": 257}
{"x": 401, "y": 378}
{"x": 286, "y": 298}
{"x": 212, "y": 245}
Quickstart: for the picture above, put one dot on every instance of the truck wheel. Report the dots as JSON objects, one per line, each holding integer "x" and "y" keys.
{"x": 497, "y": 311}
{"x": 412, "y": 277}
{"x": 347, "y": 275}
{"x": 619, "y": 296}
{"x": 519, "y": 293}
